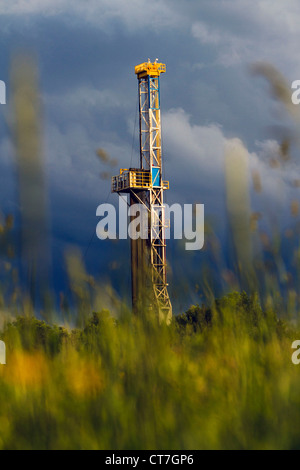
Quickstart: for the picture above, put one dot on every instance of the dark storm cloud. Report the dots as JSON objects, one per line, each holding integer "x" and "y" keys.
{"x": 87, "y": 52}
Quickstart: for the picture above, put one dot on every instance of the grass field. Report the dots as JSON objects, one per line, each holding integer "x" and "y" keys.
{"x": 219, "y": 378}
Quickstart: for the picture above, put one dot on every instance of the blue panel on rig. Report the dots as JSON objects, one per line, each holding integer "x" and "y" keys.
{"x": 155, "y": 177}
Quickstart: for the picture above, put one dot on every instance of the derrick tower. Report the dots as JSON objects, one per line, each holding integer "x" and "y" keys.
{"x": 145, "y": 186}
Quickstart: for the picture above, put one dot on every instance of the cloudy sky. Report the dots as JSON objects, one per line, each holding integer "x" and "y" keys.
{"x": 86, "y": 53}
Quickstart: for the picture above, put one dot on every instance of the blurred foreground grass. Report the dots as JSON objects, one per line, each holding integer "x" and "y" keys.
{"x": 219, "y": 378}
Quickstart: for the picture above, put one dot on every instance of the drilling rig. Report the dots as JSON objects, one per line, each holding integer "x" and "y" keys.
{"x": 145, "y": 186}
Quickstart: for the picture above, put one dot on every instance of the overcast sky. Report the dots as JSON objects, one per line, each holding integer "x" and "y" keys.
{"x": 86, "y": 53}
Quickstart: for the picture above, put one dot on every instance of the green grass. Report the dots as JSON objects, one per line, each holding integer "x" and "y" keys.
{"x": 219, "y": 378}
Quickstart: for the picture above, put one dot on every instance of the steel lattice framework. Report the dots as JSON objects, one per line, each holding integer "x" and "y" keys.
{"x": 146, "y": 186}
